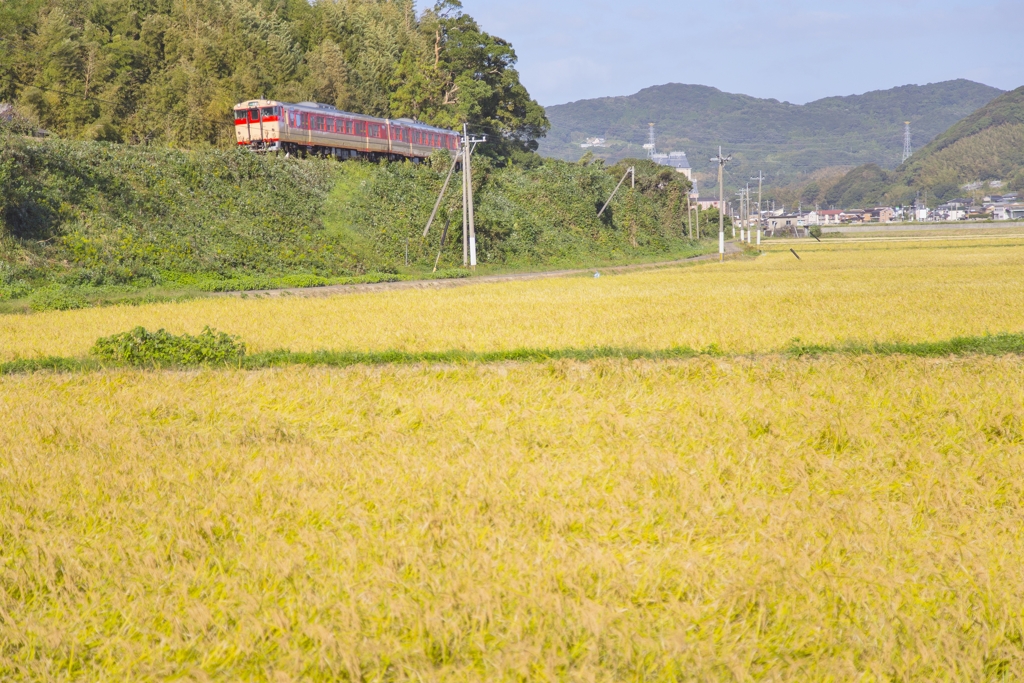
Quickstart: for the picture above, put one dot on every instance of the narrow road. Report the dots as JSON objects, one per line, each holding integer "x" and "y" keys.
{"x": 731, "y": 251}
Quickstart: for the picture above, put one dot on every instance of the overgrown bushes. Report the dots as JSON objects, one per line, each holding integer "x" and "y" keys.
{"x": 161, "y": 348}
{"x": 544, "y": 214}
{"x": 103, "y": 214}
{"x": 84, "y": 220}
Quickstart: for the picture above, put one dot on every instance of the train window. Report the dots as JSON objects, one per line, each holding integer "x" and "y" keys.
{"x": 254, "y": 115}
{"x": 348, "y": 127}
{"x": 269, "y": 112}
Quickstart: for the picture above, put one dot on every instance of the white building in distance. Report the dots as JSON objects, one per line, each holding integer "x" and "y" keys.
{"x": 676, "y": 160}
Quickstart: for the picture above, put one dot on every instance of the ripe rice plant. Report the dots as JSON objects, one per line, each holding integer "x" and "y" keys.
{"x": 836, "y": 518}
{"x": 892, "y": 293}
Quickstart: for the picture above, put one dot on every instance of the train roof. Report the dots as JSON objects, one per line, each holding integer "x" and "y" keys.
{"x": 326, "y": 108}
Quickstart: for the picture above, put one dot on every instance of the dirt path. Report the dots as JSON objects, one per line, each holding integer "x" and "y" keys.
{"x": 731, "y": 250}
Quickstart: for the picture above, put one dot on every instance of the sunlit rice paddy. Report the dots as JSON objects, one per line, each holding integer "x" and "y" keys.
{"x": 835, "y": 519}
{"x": 722, "y": 517}
{"x": 833, "y": 295}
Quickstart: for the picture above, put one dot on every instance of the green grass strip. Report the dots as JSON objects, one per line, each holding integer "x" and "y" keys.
{"x": 988, "y": 345}
{"x": 348, "y": 358}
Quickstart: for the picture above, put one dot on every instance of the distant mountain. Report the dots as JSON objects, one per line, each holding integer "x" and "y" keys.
{"x": 986, "y": 146}
{"x": 787, "y": 141}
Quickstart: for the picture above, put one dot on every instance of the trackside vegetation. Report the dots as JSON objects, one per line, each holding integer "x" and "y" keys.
{"x": 88, "y": 222}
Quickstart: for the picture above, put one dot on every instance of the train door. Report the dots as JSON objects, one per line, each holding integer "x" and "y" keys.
{"x": 243, "y": 134}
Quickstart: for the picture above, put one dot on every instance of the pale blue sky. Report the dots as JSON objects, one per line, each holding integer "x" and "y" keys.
{"x": 794, "y": 50}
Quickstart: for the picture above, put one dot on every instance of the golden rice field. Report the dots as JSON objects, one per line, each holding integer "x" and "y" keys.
{"x": 836, "y": 293}
{"x": 758, "y": 518}
{"x": 765, "y": 519}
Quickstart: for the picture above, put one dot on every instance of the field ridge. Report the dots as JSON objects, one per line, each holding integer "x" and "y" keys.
{"x": 984, "y": 345}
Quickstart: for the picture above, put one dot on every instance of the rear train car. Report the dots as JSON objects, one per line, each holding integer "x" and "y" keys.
{"x": 310, "y": 128}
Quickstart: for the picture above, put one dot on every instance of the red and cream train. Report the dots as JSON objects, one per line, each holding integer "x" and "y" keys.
{"x": 322, "y": 130}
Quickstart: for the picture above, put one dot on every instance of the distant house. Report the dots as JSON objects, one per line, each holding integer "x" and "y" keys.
{"x": 1005, "y": 211}
{"x": 676, "y": 160}
{"x": 594, "y": 142}
{"x": 706, "y": 204}
{"x": 786, "y": 221}
{"x": 879, "y": 214}
{"x": 851, "y": 216}
{"x": 822, "y": 217}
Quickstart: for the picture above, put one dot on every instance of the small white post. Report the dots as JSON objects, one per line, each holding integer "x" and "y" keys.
{"x": 759, "y": 237}
{"x": 721, "y": 244}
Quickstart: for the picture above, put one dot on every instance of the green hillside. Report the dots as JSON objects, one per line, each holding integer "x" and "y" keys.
{"x": 786, "y": 141}
{"x": 986, "y": 146}
{"x": 84, "y": 221}
{"x": 166, "y": 71}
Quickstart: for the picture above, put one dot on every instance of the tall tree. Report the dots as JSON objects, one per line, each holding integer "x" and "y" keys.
{"x": 169, "y": 70}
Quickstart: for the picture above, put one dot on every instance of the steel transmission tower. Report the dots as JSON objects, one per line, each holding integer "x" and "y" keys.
{"x": 907, "y": 151}
{"x": 650, "y": 146}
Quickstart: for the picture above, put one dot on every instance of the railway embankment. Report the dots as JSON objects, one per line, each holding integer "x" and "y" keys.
{"x": 87, "y": 223}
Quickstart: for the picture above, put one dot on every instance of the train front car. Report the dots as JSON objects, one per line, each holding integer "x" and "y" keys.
{"x": 258, "y": 125}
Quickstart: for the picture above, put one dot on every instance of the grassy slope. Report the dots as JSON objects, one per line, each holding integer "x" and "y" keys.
{"x": 87, "y": 222}
{"x": 781, "y": 138}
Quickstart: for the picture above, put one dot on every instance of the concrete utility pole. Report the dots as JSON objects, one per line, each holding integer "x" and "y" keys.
{"x": 689, "y": 217}
{"x": 746, "y": 212}
{"x": 721, "y": 161}
{"x": 465, "y": 198}
{"x": 468, "y": 212}
{"x": 759, "y": 179}
{"x": 740, "y": 217}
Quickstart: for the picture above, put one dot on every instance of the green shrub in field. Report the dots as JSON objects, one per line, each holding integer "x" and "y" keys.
{"x": 161, "y": 348}
{"x": 816, "y": 231}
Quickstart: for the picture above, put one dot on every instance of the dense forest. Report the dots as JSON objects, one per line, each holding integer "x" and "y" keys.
{"x": 169, "y": 71}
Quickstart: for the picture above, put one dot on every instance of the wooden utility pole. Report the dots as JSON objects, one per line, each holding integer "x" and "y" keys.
{"x": 721, "y": 202}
